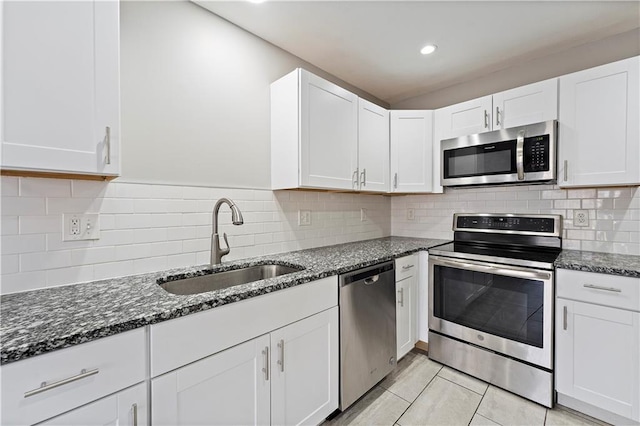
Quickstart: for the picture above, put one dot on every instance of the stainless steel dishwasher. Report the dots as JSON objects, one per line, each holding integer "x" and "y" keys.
{"x": 367, "y": 329}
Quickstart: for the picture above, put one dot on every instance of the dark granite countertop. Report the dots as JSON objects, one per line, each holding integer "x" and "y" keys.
{"x": 41, "y": 321}
{"x": 604, "y": 263}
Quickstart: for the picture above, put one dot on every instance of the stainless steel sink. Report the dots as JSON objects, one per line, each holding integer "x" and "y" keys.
{"x": 220, "y": 280}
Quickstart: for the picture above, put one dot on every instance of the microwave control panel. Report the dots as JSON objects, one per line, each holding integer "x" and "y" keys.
{"x": 536, "y": 154}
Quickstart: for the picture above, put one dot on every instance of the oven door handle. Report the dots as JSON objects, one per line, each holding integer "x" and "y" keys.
{"x": 518, "y": 273}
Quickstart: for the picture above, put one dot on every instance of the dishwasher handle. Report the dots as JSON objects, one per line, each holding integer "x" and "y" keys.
{"x": 368, "y": 275}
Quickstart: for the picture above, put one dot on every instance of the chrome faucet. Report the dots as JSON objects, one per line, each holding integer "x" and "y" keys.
{"x": 236, "y": 217}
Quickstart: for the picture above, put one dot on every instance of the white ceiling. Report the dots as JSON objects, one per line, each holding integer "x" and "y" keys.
{"x": 374, "y": 45}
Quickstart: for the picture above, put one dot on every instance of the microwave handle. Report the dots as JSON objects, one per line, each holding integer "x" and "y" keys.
{"x": 520, "y": 155}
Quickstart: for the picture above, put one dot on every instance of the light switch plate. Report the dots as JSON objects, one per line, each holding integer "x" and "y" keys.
{"x": 77, "y": 227}
{"x": 363, "y": 215}
{"x": 411, "y": 214}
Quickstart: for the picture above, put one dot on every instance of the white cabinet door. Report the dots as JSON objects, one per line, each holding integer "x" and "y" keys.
{"x": 125, "y": 408}
{"x": 373, "y": 146}
{"x": 600, "y": 125}
{"x": 524, "y": 105}
{"x": 466, "y": 118}
{"x": 406, "y": 315}
{"x": 411, "y": 151}
{"x": 61, "y": 87}
{"x": 329, "y": 134}
{"x": 304, "y": 365}
{"x": 597, "y": 353}
{"x": 230, "y": 387}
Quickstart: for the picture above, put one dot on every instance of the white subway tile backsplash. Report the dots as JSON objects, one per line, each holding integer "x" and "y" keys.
{"x": 40, "y": 224}
{"x": 112, "y": 270}
{"x": 42, "y": 261}
{"x": 9, "y": 225}
{"x": 33, "y": 187}
{"x": 23, "y": 281}
{"x": 9, "y": 186}
{"x": 10, "y": 264}
{"x": 151, "y": 264}
{"x": 91, "y": 189}
{"x": 17, "y": 244}
{"x": 93, "y": 255}
{"x": 75, "y": 274}
{"x": 18, "y": 206}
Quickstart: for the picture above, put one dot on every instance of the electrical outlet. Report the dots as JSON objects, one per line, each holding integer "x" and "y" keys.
{"x": 580, "y": 218}
{"x": 304, "y": 217}
{"x": 411, "y": 214}
{"x": 77, "y": 227}
{"x": 363, "y": 215}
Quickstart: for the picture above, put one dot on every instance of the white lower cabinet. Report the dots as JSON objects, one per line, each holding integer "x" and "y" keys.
{"x": 598, "y": 347}
{"x": 289, "y": 376}
{"x": 125, "y": 408}
{"x": 406, "y": 304}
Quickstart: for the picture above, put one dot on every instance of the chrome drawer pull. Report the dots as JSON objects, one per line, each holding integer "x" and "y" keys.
{"x": 107, "y": 142}
{"x": 564, "y": 318}
{"x": 597, "y": 287}
{"x": 45, "y": 387}
{"x": 281, "y": 360}
{"x": 134, "y": 407}
{"x": 265, "y": 369}
{"x": 401, "y": 302}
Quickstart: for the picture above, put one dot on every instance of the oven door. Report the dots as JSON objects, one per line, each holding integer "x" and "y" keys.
{"x": 503, "y": 308}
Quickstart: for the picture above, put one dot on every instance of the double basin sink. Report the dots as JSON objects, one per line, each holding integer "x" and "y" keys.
{"x": 222, "y": 280}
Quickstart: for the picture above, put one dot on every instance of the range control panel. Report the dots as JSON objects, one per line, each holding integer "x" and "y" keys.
{"x": 493, "y": 223}
{"x": 536, "y": 154}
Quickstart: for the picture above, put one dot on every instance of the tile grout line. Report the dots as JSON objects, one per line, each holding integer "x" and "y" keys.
{"x": 411, "y": 403}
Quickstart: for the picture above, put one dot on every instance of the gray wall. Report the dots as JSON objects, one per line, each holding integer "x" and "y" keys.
{"x": 195, "y": 97}
{"x": 585, "y": 56}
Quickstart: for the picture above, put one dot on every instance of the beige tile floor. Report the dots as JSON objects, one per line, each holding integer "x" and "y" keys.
{"x": 423, "y": 392}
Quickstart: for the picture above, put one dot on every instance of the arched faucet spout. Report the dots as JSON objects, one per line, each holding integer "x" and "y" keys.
{"x": 236, "y": 218}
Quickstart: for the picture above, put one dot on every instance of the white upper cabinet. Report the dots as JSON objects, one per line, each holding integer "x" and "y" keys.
{"x": 314, "y": 133}
{"x": 465, "y": 118}
{"x": 600, "y": 125}
{"x": 60, "y": 83}
{"x": 411, "y": 151}
{"x": 373, "y": 147}
{"x": 524, "y": 105}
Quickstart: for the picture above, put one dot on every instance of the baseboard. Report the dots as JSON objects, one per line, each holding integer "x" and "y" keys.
{"x": 596, "y": 412}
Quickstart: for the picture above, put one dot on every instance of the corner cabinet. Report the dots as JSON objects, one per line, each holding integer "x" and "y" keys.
{"x": 314, "y": 133}
{"x": 60, "y": 79}
{"x": 598, "y": 344}
{"x": 406, "y": 304}
{"x": 600, "y": 126}
{"x": 412, "y": 151}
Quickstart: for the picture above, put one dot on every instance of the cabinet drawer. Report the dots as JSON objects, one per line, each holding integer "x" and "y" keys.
{"x": 118, "y": 362}
{"x": 603, "y": 289}
{"x": 406, "y": 267}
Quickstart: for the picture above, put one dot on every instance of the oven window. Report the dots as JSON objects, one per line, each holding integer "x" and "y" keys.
{"x": 504, "y": 306}
{"x": 490, "y": 159}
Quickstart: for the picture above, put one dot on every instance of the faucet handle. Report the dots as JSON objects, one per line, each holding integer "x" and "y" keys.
{"x": 226, "y": 242}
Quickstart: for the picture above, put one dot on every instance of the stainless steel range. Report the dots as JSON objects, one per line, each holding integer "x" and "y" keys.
{"x": 491, "y": 300}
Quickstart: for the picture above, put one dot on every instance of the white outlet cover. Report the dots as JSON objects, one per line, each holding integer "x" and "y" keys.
{"x": 581, "y": 218}
{"x": 363, "y": 215}
{"x": 304, "y": 217}
{"x": 411, "y": 214}
{"x": 79, "y": 227}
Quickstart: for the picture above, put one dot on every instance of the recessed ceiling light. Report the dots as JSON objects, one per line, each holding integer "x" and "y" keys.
{"x": 429, "y": 48}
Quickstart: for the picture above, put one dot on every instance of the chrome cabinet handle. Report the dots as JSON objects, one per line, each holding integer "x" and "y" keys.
{"x": 520, "y": 155}
{"x": 486, "y": 119}
{"x": 497, "y": 116}
{"x": 134, "y": 408}
{"x": 406, "y": 267}
{"x": 48, "y": 386}
{"x": 363, "y": 177}
{"x": 564, "y": 317}
{"x": 395, "y": 180}
{"x": 509, "y": 272}
{"x": 597, "y": 287}
{"x": 281, "y": 360}
{"x": 265, "y": 369}
{"x": 354, "y": 179}
{"x": 401, "y": 302}
{"x": 566, "y": 164}
{"x": 107, "y": 144}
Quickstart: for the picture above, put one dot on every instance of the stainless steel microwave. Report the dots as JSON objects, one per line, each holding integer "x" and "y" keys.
{"x": 518, "y": 155}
